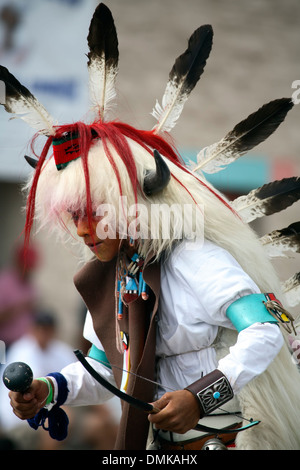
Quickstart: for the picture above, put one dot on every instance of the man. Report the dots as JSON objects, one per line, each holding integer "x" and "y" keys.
{"x": 177, "y": 313}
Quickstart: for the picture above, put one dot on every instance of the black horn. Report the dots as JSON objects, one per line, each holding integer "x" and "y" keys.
{"x": 31, "y": 161}
{"x": 156, "y": 180}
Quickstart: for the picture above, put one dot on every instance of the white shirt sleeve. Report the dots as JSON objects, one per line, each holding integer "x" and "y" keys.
{"x": 83, "y": 388}
{"x": 216, "y": 280}
{"x": 255, "y": 349}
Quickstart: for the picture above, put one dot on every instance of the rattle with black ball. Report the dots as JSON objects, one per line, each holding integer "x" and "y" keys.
{"x": 17, "y": 377}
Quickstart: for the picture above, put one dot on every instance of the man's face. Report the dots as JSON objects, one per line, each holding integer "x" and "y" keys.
{"x": 104, "y": 249}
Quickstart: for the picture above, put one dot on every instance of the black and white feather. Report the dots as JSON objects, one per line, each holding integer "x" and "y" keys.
{"x": 103, "y": 62}
{"x": 291, "y": 290}
{"x": 250, "y": 132}
{"x": 268, "y": 199}
{"x": 279, "y": 242}
{"x": 183, "y": 77}
{"x": 20, "y": 102}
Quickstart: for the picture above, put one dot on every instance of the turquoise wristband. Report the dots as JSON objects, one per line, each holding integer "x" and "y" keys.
{"x": 248, "y": 310}
{"x": 99, "y": 355}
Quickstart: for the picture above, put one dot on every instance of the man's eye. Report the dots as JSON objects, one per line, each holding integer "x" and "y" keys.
{"x": 75, "y": 217}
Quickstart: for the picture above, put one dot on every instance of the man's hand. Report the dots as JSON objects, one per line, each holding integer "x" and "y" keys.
{"x": 26, "y": 405}
{"x": 180, "y": 412}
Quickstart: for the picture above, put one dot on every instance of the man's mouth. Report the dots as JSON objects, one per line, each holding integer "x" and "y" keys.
{"x": 93, "y": 246}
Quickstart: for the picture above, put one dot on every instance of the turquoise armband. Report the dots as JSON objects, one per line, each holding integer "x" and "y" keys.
{"x": 99, "y": 355}
{"x": 248, "y": 310}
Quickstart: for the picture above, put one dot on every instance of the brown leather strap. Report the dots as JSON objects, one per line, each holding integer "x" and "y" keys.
{"x": 197, "y": 444}
{"x": 212, "y": 391}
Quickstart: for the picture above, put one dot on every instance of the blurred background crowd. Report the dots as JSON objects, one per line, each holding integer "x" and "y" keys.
{"x": 255, "y": 59}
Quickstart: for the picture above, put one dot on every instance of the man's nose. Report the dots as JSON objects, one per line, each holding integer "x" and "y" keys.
{"x": 83, "y": 228}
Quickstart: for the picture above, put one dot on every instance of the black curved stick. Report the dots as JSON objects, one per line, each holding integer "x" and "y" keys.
{"x": 17, "y": 377}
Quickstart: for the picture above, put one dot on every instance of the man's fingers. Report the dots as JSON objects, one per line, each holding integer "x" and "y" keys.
{"x": 25, "y": 410}
{"x": 24, "y": 405}
{"x": 23, "y": 416}
{"x": 154, "y": 410}
{"x": 161, "y": 403}
{"x": 179, "y": 412}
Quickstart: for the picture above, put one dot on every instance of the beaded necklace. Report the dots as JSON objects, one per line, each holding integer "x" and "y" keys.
{"x": 130, "y": 282}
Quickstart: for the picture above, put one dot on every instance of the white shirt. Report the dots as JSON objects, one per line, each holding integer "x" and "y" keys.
{"x": 198, "y": 283}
